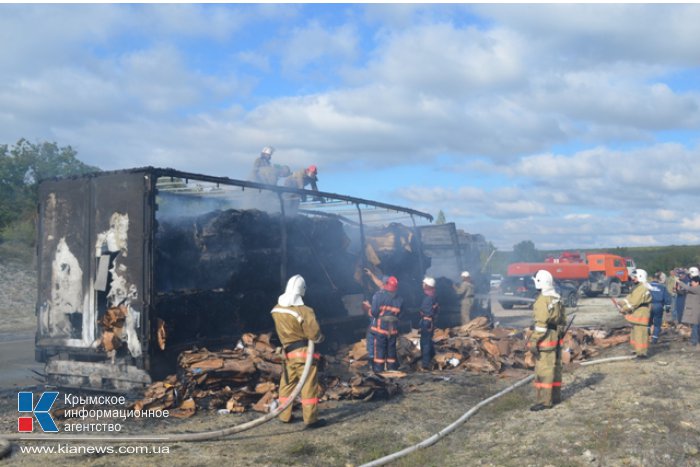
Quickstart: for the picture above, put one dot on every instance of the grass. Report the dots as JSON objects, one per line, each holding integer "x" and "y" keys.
{"x": 514, "y": 400}
{"x": 371, "y": 446}
{"x": 17, "y": 252}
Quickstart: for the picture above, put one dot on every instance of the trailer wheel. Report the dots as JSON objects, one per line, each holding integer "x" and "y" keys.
{"x": 571, "y": 300}
{"x": 614, "y": 289}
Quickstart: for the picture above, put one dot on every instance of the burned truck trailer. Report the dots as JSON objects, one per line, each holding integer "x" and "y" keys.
{"x": 135, "y": 266}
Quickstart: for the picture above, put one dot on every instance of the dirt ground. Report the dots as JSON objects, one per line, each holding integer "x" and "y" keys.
{"x": 636, "y": 413}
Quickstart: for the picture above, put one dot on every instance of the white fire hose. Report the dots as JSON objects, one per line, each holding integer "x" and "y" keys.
{"x": 461, "y": 420}
{"x": 175, "y": 437}
{"x": 210, "y": 435}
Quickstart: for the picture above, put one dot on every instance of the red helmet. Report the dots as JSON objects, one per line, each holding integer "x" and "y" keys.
{"x": 313, "y": 170}
{"x": 391, "y": 284}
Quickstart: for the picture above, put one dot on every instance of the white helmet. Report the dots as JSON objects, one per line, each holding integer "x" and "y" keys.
{"x": 544, "y": 280}
{"x": 429, "y": 281}
{"x": 640, "y": 275}
{"x": 465, "y": 274}
{"x": 292, "y": 296}
{"x": 267, "y": 150}
{"x": 694, "y": 272}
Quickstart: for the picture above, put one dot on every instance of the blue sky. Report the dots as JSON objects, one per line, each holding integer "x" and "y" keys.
{"x": 574, "y": 126}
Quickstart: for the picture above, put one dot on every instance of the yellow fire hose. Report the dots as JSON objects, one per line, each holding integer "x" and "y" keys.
{"x": 174, "y": 437}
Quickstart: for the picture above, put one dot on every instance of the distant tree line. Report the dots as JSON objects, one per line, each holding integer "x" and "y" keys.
{"x": 22, "y": 166}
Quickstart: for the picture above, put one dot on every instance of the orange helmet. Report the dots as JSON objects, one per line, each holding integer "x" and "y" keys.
{"x": 391, "y": 284}
{"x": 313, "y": 170}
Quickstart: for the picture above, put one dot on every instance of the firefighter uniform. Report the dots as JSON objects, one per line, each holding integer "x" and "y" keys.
{"x": 428, "y": 313}
{"x": 295, "y": 325}
{"x": 465, "y": 291}
{"x": 636, "y": 308}
{"x": 547, "y": 338}
{"x": 385, "y": 311}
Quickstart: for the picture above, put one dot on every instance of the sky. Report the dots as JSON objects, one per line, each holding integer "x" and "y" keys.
{"x": 569, "y": 125}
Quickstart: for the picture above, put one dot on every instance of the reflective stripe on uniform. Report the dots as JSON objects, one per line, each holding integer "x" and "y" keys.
{"x": 547, "y": 344}
{"x": 639, "y": 345}
{"x": 547, "y": 385}
{"x": 285, "y": 311}
{"x": 637, "y": 319}
{"x": 312, "y": 401}
{"x": 301, "y": 354}
{"x": 390, "y": 309}
{"x": 540, "y": 329}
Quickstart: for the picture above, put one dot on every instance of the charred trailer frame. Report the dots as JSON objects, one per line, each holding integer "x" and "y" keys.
{"x": 136, "y": 265}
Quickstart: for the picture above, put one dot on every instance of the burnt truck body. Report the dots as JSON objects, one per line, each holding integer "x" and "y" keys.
{"x": 135, "y": 266}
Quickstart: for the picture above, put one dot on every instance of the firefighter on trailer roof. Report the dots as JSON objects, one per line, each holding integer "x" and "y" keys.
{"x": 261, "y": 162}
{"x": 296, "y": 324}
{"x": 301, "y": 178}
{"x": 546, "y": 341}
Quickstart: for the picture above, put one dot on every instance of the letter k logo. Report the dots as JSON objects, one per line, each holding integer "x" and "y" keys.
{"x": 25, "y": 403}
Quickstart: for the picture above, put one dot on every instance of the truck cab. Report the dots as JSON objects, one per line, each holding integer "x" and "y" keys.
{"x": 608, "y": 274}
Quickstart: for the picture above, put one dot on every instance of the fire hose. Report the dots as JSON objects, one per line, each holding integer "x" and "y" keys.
{"x": 178, "y": 437}
{"x": 467, "y": 415}
{"x": 210, "y": 435}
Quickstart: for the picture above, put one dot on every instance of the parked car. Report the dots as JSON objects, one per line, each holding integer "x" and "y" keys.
{"x": 495, "y": 281}
{"x": 523, "y": 292}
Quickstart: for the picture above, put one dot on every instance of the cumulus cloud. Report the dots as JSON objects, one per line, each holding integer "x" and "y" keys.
{"x": 557, "y": 117}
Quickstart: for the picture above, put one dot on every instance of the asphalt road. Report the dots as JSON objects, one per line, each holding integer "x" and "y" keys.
{"x": 597, "y": 311}
{"x": 17, "y": 360}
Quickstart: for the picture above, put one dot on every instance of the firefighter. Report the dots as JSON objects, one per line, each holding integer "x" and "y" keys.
{"x": 301, "y": 178}
{"x": 546, "y": 341}
{"x": 636, "y": 309}
{"x": 367, "y": 307}
{"x": 262, "y": 161}
{"x": 428, "y": 313}
{"x": 385, "y": 311}
{"x": 660, "y": 303}
{"x": 271, "y": 174}
{"x": 465, "y": 291}
{"x": 295, "y": 324}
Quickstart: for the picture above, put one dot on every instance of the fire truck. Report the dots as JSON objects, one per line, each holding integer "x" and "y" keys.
{"x": 596, "y": 274}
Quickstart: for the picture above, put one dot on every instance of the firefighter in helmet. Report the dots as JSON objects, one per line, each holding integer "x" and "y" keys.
{"x": 546, "y": 341}
{"x": 296, "y": 324}
{"x": 385, "y": 311}
{"x": 465, "y": 292}
{"x": 301, "y": 178}
{"x": 262, "y": 161}
{"x": 428, "y": 314}
{"x": 636, "y": 308}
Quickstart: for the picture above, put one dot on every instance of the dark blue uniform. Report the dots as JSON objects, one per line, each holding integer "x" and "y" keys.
{"x": 680, "y": 300}
{"x": 386, "y": 309}
{"x": 660, "y": 299}
{"x": 428, "y": 313}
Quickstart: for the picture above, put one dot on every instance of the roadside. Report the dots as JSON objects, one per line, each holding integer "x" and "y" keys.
{"x": 623, "y": 413}
{"x": 17, "y": 296}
